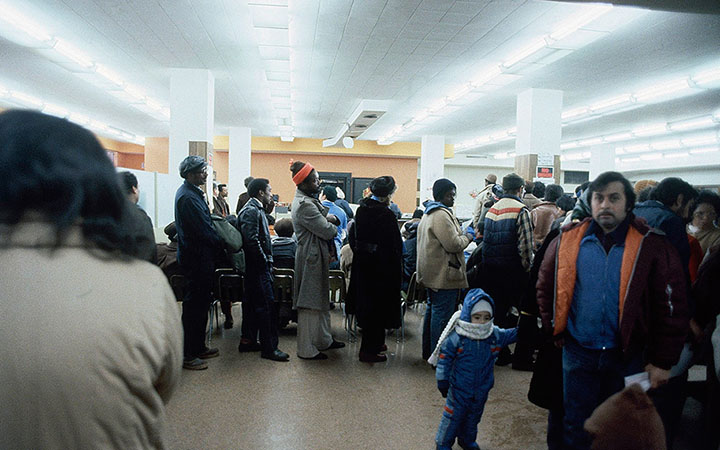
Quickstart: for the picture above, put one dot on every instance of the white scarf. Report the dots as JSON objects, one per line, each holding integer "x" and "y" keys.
{"x": 475, "y": 331}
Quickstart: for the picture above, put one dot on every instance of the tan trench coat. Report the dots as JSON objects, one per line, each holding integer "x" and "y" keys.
{"x": 311, "y": 288}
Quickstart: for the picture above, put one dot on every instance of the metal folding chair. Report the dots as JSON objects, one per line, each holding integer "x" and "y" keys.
{"x": 283, "y": 280}
{"x": 416, "y": 293}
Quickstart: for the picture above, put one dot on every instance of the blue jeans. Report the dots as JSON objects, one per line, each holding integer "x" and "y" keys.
{"x": 437, "y": 315}
{"x": 589, "y": 378}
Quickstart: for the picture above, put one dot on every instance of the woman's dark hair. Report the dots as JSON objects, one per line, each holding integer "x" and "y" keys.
{"x": 60, "y": 170}
{"x": 284, "y": 228}
{"x": 668, "y": 190}
{"x": 565, "y": 202}
{"x": 606, "y": 178}
{"x": 708, "y": 197}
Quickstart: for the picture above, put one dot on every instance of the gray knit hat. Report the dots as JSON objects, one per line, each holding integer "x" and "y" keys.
{"x": 192, "y": 163}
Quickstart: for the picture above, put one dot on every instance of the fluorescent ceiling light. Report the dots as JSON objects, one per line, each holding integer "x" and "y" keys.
{"x": 576, "y": 112}
{"x": 617, "y": 137}
{"x": 24, "y": 24}
{"x": 55, "y": 110}
{"x": 666, "y": 145}
{"x": 706, "y": 77}
{"x": 630, "y": 160}
{"x": 134, "y": 92}
{"x": 590, "y": 142}
{"x": 72, "y": 53}
{"x": 109, "y": 75}
{"x": 662, "y": 90}
{"x": 459, "y": 93}
{"x": 637, "y": 148}
{"x": 485, "y": 75}
{"x": 268, "y": 3}
{"x": 702, "y": 122}
{"x": 576, "y": 22}
{"x": 699, "y": 140}
{"x": 650, "y": 130}
{"x": 568, "y": 145}
{"x": 27, "y": 100}
{"x": 702, "y": 150}
{"x": 611, "y": 102}
{"x": 524, "y": 52}
{"x": 500, "y": 136}
{"x": 502, "y": 155}
{"x": 676, "y": 155}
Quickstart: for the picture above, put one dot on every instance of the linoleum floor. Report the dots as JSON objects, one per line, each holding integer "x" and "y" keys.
{"x": 244, "y": 402}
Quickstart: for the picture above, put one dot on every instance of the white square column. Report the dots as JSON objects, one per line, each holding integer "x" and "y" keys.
{"x": 239, "y": 163}
{"x": 192, "y": 116}
{"x": 432, "y": 164}
{"x": 539, "y": 129}
{"x": 602, "y": 159}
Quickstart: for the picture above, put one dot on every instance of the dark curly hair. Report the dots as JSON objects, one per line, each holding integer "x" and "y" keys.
{"x": 60, "y": 169}
{"x": 708, "y": 197}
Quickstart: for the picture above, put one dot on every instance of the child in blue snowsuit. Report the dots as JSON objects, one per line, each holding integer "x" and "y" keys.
{"x": 465, "y": 357}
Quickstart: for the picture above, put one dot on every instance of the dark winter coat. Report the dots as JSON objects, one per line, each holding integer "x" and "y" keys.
{"x": 653, "y": 310}
{"x": 198, "y": 243}
{"x": 377, "y": 265}
{"x": 256, "y": 237}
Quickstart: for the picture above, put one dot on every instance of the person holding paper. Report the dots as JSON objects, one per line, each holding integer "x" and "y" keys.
{"x": 611, "y": 291}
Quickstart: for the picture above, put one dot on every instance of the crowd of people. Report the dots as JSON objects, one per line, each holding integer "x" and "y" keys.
{"x": 615, "y": 281}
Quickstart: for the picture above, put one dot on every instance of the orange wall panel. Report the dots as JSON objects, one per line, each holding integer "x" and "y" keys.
{"x": 130, "y": 160}
{"x": 275, "y": 167}
{"x": 220, "y": 166}
{"x": 156, "y": 154}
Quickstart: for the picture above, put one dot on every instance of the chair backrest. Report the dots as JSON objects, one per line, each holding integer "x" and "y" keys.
{"x": 230, "y": 287}
{"x": 283, "y": 284}
{"x": 416, "y": 292}
{"x": 338, "y": 288}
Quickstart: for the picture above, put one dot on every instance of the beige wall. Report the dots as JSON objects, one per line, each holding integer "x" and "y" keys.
{"x": 156, "y": 154}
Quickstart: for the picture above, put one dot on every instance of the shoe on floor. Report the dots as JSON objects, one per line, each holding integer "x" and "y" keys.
{"x": 209, "y": 353}
{"x": 464, "y": 446}
{"x": 372, "y": 358}
{"x": 504, "y": 358}
{"x": 228, "y": 324}
{"x": 335, "y": 344}
{"x": 195, "y": 364}
{"x": 523, "y": 366}
{"x": 319, "y": 356}
{"x": 249, "y": 347}
{"x": 276, "y": 355}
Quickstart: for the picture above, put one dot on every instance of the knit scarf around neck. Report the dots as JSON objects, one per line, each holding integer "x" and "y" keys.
{"x": 476, "y": 331}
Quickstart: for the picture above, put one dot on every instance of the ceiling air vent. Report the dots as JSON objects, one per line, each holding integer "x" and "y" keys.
{"x": 364, "y": 116}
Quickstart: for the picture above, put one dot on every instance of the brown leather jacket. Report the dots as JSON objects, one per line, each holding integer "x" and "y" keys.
{"x": 654, "y": 313}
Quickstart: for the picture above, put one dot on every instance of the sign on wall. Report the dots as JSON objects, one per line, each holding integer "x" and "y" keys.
{"x": 544, "y": 172}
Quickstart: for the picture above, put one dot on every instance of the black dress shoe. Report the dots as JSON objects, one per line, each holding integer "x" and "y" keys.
{"x": 319, "y": 356}
{"x": 335, "y": 344}
{"x": 276, "y": 355}
{"x": 372, "y": 358}
{"x": 249, "y": 347}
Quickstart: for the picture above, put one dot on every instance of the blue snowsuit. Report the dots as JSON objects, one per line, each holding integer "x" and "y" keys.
{"x": 466, "y": 366}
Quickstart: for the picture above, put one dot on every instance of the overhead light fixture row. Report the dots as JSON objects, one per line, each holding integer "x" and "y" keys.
{"x": 485, "y": 76}
{"x": 69, "y": 52}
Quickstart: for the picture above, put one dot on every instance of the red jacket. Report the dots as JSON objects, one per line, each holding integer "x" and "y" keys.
{"x": 653, "y": 296}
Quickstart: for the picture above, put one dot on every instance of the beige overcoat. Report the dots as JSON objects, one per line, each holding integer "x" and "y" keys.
{"x": 91, "y": 345}
{"x": 440, "y": 245}
{"x": 311, "y": 285}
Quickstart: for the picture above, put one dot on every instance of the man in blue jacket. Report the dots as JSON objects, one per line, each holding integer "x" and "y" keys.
{"x": 197, "y": 245}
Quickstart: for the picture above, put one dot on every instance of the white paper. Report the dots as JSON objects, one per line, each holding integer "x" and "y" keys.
{"x": 642, "y": 378}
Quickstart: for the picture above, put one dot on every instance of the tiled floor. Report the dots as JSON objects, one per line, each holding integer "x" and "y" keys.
{"x": 244, "y": 402}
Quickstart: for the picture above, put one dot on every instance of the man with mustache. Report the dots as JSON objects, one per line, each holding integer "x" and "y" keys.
{"x": 611, "y": 291}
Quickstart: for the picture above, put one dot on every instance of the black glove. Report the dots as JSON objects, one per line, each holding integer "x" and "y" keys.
{"x": 443, "y": 387}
